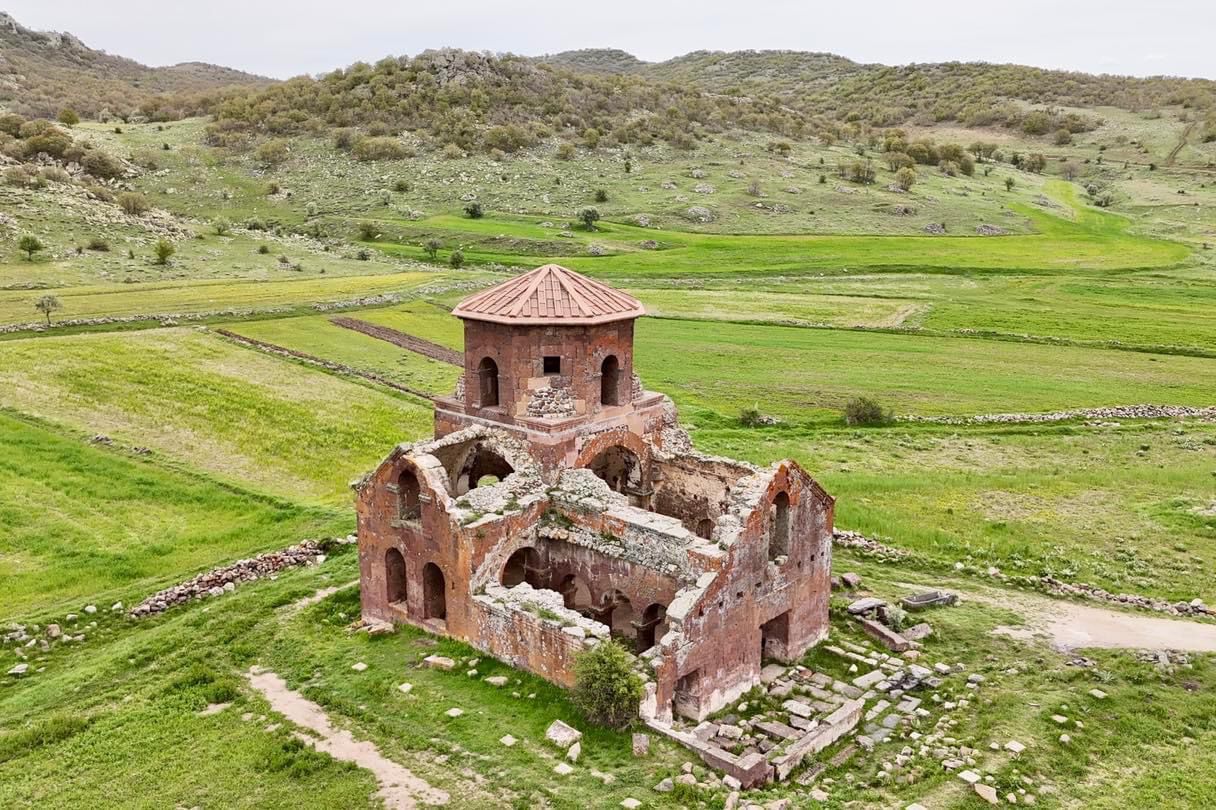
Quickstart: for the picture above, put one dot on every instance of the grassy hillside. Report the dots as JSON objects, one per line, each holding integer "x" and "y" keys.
{"x": 42, "y": 73}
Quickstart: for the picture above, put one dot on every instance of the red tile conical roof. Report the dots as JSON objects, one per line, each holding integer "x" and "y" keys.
{"x": 550, "y": 295}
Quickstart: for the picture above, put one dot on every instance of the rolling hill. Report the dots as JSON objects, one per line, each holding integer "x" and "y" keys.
{"x": 42, "y": 72}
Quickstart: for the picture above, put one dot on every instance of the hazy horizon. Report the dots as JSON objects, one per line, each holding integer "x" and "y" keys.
{"x": 283, "y": 39}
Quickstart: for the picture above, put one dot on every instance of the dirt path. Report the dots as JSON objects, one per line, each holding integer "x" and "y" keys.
{"x": 1071, "y": 626}
{"x": 1186, "y": 134}
{"x": 399, "y": 788}
{"x": 404, "y": 340}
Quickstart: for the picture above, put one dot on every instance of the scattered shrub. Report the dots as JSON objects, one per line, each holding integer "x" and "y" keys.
{"x": 363, "y": 254}
{"x": 133, "y": 203}
{"x": 368, "y": 231}
{"x": 601, "y": 195}
{"x": 101, "y": 165}
{"x": 272, "y": 152}
{"x": 402, "y": 186}
{"x": 866, "y": 412}
{"x": 566, "y": 151}
{"x": 474, "y": 210}
{"x": 606, "y": 689}
{"x": 221, "y": 226}
{"x": 431, "y": 248}
{"x": 905, "y": 178}
{"x": 98, "y": 244}
{"x": 163, "y": 250}
{"x": 264, "y": 250}
{"x": 379, "y": 148}
{"x": 456, "y": 260}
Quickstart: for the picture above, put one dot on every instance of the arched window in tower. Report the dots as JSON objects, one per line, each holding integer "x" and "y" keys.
{"x": 610, "y": 381}
{"x": 779, "y": 539}
{"x": 487, "y": 374}
{"x": 409, "y": 505}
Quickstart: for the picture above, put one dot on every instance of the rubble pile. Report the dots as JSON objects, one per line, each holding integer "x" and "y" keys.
{"x": 219, "y": 581}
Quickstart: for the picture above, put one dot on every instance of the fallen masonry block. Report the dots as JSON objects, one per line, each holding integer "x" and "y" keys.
{"x": 885, "y": 636}
{"x": 986, "y": 792}
{"x": 869, "y": 679}
{"x": 929, "y": 599}
{"x": 439, "y": 662}
{"x": 917, "y": 632}
{"x": 562, "y": 735}
{"x": 851, "y": 580}
{"x": 865, "y": 605}
{"x": 777, "y": 730}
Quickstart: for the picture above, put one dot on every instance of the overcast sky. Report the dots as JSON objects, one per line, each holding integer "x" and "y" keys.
{"x": 285, "y": 38}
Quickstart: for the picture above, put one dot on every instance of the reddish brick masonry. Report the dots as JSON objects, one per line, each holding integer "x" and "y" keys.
{"x": 559, "y": 504}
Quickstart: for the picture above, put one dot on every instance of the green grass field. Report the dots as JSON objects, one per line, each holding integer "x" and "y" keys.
{"x": 230, "y": 411}
{"x": 83, "y": 523}
{"x": 794, "y": 299}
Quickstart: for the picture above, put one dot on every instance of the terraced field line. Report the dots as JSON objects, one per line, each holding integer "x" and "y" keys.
{"x": 399, "y": 788}
{"x": 313, "y": 360}
{"x": 402, "y": 340}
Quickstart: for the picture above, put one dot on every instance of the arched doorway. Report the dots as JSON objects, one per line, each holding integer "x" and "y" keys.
{"x": 610, "y": 381}
{"x": 487, "y": 376}
{"x": 394, "y": 577}
{"x": 409, "y": 506}
{"x": 779, "y": 537}
{"x": 522, "y": 566}
{"x": 652, "y": 627}
{"x": 620, "y": 468}
{"x": 705, "y": 528}
{"x": 434, "y": 593}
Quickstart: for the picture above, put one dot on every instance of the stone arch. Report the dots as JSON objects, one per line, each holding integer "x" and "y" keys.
{"x": 610, "y": 381}
{"x": 652, "y": 626}
{"x": 394, "y": 577}
{"x": 622, "y": 617}
{"x": 409, "y": 502}
{"x": 620, "y": 468}
{"x": 779, "y": 534}
{"x": 487, "y": 383}
{"x": 434, "y": 593}
{"x": 522, "y": 566}
{"x": 705, "y": 528}
{"x": 575, "y": 594}
{"x": 480, "y": 461}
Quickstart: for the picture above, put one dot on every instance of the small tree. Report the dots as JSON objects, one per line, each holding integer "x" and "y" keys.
{"x": 474, "y": 210}
{"x": 865, "y": 411}
{"x": 29, "y": 245}
{"x": 456, "y": 260}
{"x": 905, "y": 178}
{"x": 68, "y": 117}
{"x": 222, "y": 226}
{"x": 431, "y": 248}
{"x": 606, "y": 688}
{"x": 46, "y": 305}
{"x": 589, "y": 216}
{"x": 163, "y": 250}
{"x": 1009, "y": 183}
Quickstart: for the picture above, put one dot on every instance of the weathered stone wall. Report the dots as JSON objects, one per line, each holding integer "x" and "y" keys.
{"x": 721, "y": 636}
{"x": 694, "y": 488}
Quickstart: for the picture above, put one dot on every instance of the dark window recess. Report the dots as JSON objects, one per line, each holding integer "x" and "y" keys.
{"x": 553, "y": 365}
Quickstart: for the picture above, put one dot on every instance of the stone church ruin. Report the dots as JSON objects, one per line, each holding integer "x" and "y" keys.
{"x": 560, "y": 503}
